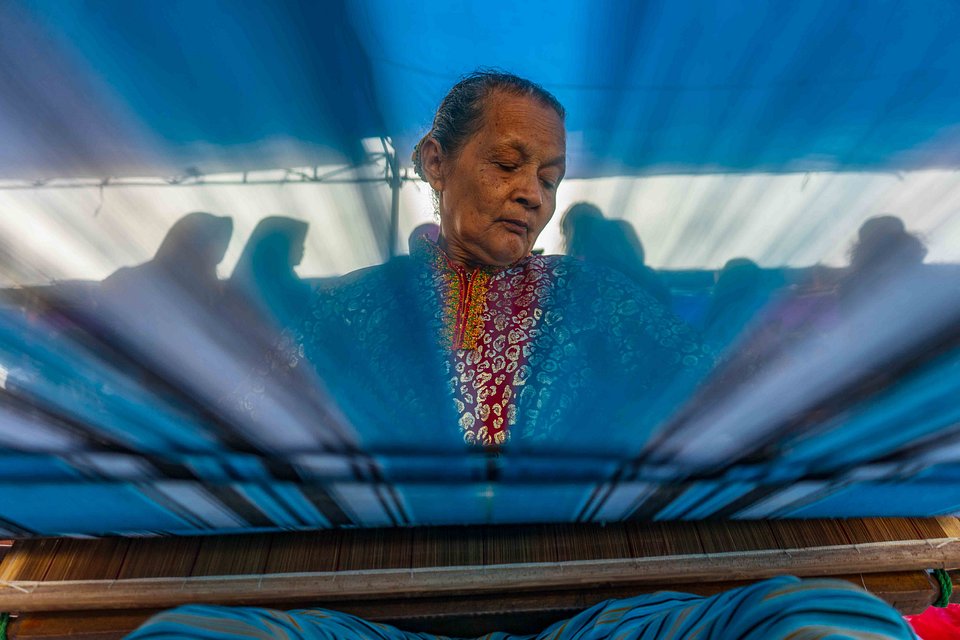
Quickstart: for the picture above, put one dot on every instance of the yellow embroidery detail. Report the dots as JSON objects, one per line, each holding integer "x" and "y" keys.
{"x": 463, "y": 301}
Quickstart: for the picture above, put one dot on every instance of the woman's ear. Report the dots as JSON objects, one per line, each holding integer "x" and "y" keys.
{"x": 431, "y": 159}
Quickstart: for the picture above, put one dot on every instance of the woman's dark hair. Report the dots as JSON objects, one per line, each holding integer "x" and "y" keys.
{"x": 460, "y": 114}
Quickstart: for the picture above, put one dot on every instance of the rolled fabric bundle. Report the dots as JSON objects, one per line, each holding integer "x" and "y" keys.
{"x": 779, "y": 608}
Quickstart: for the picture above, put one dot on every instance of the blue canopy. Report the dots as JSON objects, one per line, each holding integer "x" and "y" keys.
{"x": 144, "y": 88}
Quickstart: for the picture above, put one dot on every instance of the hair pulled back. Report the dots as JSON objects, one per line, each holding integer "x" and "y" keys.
{"x": 460, "y": 114}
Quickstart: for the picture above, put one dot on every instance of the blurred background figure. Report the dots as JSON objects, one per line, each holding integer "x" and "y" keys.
{"x": 428, "y": 230}
{"x": 883, "y": 250}
{"x": 264, "y": 276}
{"x": 167, "y": 301}
{"x": 186, "y": 261}
{"x": 610, "y": 243}
{"x": 740, "y": 293}
{"x": 572, "y": 219}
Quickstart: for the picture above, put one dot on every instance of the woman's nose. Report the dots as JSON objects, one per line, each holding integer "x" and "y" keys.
{"x": 528, "y": 192}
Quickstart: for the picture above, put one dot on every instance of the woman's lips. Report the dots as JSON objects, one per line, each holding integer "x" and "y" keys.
{"x": 515, "y": 226}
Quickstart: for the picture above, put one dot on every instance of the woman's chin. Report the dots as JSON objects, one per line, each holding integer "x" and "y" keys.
{"x": 507, "y": 257}
{"x": 509, "y": 250}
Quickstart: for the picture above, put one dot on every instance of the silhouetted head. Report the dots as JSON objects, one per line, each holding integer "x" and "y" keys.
{"x": 573, "y": 218}
{"x": 741, "y": 292}
{"x": 739, "y": 275}
{"x": 195, "y": 244}
{"x": 884, "y": 241}
{"x": 494, "y": 158}
{"x": 275, "y": 247}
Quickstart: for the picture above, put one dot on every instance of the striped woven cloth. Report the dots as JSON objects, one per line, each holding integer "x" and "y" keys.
{"x": 779, "y": 608}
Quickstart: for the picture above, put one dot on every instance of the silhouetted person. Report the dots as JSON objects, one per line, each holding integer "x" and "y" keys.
{"x": 265, "y": 275}
{"x": 740, "y": 293}
{"x": 884, "y": 249}
{"x": 185, "y": 262}
{"x": 165, "y": 315}
{"x": 573, "y": 218}
{"x": 611, "y": 243}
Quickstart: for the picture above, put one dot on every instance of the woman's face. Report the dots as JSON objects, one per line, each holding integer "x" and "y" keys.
{"x": 499, "y": 192}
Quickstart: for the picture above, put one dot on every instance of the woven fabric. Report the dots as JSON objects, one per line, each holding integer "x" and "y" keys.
{"x": 156, "y": 413}
{"x": 775, "y": 609}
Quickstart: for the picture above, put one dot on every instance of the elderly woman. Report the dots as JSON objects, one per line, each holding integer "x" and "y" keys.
{"x": 534, "y": 353}
{"x": 537, "y": 350}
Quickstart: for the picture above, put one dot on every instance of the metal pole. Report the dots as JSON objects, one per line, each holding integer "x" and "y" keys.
{"x": 393, "y": 161}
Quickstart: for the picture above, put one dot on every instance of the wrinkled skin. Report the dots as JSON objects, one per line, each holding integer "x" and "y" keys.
{"x": 499, "y": 192}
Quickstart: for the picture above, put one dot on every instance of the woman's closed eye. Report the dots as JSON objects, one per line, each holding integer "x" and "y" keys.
{"x": 549, "y": 182}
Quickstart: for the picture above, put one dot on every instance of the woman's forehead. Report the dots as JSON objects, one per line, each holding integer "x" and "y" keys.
{"x": 521, "y": 123}
{"x": 500, "y": 105}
